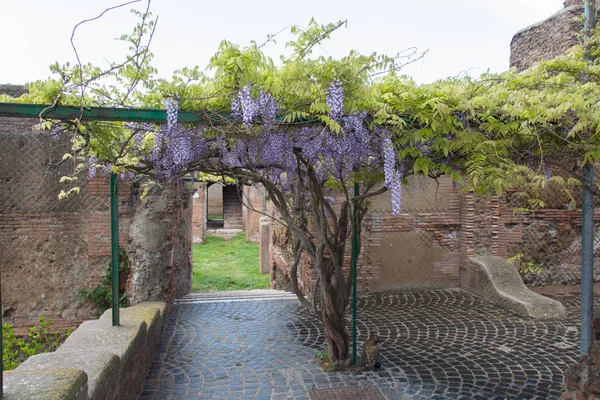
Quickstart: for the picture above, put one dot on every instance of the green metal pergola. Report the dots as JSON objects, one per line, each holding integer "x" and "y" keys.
{"x": 22, "y": 110}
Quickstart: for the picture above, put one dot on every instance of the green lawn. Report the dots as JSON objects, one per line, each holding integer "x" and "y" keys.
{"x": 221, "y": 264}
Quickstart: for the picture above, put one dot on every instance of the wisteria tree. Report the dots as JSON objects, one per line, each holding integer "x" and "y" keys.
{"x": 313, "y": 127}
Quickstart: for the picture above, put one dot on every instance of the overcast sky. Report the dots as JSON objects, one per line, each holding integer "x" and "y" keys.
{"x": 461, "y": 35}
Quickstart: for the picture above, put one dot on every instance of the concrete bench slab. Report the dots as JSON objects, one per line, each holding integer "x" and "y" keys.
{"x": 53, "y": 383}
{"x": 101, "y": 367}
{"x": 497, "y": 281}
{"x": 150, "y": 312}
{"x": 125, "y": 341}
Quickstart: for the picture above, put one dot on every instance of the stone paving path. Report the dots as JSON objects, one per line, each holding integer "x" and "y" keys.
{"x": 443, "y": 344}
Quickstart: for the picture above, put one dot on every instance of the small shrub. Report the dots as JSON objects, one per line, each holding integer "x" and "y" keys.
{"x": 525, "y": 266}
{"x": 17, "y": 349}
{"x": 102, "y": 294}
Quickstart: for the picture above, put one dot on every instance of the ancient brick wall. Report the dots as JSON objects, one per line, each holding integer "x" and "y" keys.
{"x": 428, "y": 245}
{"x": 418, "y": 249}
{"x": 547, "y": 39}
{"x": 51, "y": 249}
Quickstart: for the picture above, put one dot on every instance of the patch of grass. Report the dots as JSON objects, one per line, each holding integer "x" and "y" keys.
{"x": 221, "y": 264}
{"x": 213, "y": 217}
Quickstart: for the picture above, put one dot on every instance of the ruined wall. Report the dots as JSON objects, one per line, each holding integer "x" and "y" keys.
{"x": 547, "y": 39}
{"x": 418, "y": 249}
{"x": 51, "y": 249}
{"x": 160, "y": 245}
{"x": 429, "y": 244}
{"x": 254, "y": 203}
{"x": 549, "y": 238}
{"x": 199, "y": 213}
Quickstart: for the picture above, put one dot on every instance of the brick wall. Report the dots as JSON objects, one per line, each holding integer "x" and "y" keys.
{"x": 428, "y": 245}
{"x": 50, "y": 249}
{"x": 418, "y": 249}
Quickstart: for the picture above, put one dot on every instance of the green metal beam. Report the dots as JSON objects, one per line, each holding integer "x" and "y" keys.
{"x": 21, "y": 110}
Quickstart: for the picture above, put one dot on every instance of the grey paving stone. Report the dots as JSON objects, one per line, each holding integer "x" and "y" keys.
{"x": 442, "y": 344}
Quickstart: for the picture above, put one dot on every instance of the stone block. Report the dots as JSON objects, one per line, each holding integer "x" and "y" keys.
{"x": 152, "y": 313}
{"x": 497, "y": 281}
{"x": 125, "y": 340}
{"x": 101, "y": 368}
{"x": 52, "y": 383}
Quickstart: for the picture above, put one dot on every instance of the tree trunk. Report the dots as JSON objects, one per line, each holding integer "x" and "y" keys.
{"x": 334, "y": 322}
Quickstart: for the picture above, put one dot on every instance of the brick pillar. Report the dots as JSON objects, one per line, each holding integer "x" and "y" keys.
{"x": 467, "y": 250}
{"x": 254, "y": 206}
{"x": 199, "y": 213}
{"x": 265, "y": 256}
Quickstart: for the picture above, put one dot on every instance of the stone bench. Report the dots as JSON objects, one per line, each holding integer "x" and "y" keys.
{"x": 497, "y": 281}
{"x": 98, "y": 361}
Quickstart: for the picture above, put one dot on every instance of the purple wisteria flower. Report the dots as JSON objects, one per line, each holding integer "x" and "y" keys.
{"x": 92, "y": 167}
{"x": 55, "y": 132}
{"x": 335, "y": 99}
{"x": 248, "y": 105}
{"x": 267, "y": 108}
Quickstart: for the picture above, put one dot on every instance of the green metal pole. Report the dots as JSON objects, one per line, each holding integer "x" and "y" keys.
{"x": 587, "y": 224}
{"x": 114, "y": 239}
{"x": 1, "y": 345}
{"x": 354, "y": 263}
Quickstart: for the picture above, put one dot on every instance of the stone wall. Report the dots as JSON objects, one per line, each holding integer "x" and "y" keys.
{"x": 547, "y": 39}
{"x": 51, "y": 249}
{"x": 97, "y": 362}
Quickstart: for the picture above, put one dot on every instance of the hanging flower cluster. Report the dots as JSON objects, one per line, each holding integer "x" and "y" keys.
{"x": 335, "y": 99}
{"x": 393, "y": 174}
{"x": 276, "y": 152}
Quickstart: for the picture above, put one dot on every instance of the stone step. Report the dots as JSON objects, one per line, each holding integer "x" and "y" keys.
{"x": 235, "y": 296}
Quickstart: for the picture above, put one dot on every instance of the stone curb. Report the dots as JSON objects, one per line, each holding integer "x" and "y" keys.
{"x": 98, "y": 361}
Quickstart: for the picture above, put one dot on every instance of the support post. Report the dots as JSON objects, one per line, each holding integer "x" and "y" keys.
{"x": 587, "y": 259}
{"x": 1, "y": 344}
{"x": 587, "y": 224}
{"x": 354, "y": 268}
{"x": 114, "y": 239}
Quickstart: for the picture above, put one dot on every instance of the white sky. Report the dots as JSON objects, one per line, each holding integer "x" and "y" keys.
{"x": 461, "y": 35}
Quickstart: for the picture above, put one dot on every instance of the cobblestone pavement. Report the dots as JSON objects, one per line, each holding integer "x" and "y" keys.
{"x": 443, "y": 344}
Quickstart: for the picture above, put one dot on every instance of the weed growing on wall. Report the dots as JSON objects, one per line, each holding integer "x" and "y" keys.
{"x": 16, "y": 349}
{"x": 102, "y": 294}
